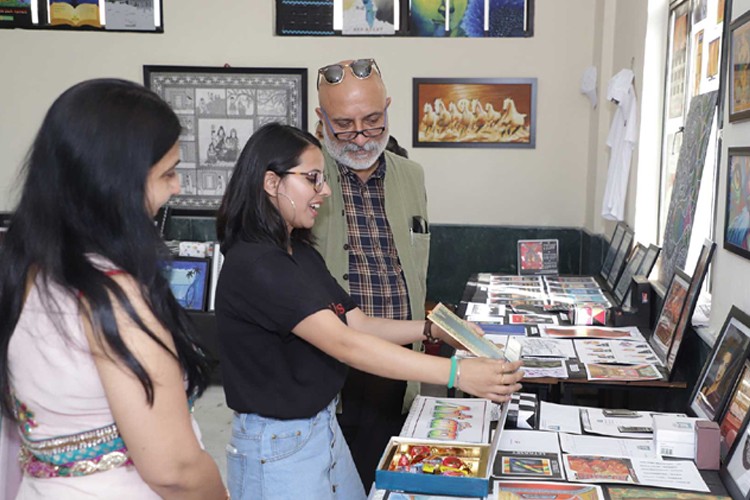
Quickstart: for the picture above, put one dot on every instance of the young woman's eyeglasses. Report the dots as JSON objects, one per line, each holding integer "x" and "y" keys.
{"x": 334, "y": 73}
{"x": 350, "y": 135}
{"x": 315, "y": 177}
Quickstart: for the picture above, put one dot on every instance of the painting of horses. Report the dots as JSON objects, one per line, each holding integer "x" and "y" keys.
{"x": 474, "y": 112}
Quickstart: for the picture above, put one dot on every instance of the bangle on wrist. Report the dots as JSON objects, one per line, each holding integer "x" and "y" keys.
{"x": 458, "y": 374}
{"x": 452, "y": 377}
{"x": 427, "y": 332}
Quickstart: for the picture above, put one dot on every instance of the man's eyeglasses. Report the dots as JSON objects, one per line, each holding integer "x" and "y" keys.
{"x": 350, "y": 135}
{"x": 334, "y": 73}
{"x": 315, "y": 177}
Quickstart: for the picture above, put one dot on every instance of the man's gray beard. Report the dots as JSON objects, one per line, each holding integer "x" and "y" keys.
{"x": 339, "y": 149}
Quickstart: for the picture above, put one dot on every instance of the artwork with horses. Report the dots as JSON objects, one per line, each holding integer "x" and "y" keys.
{"x": 474, "y": 112}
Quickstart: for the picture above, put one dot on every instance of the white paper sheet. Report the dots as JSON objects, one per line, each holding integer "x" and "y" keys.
{"x": 559, "y": 418}
{"x": 448, "y": 419}
{"x": 615, "y": 447}
{"x": 620, "y": 333}
{"x": 544, "y": 367}
{"x": 628, "y": 352}
{"x": 536, "y": 347}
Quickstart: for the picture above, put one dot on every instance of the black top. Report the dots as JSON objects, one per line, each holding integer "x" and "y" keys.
{"x": 262, "y": 293}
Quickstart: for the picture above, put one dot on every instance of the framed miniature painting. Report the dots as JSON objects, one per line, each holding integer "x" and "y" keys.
{"x": 474, "y": 112}
{"x": 736, "y": 411}
{"x": 671, "y": 312}
{"x": 219, "y": 109}
{"x": 614, "y": 245}
{"x": 631, "y": 269}
{"x": 737, "y": 219}
{"x": 188, "y": 280}
{"x": 735, "y": 470}
{"x": 739, "y": 69}
{"x": 714, "y": 384}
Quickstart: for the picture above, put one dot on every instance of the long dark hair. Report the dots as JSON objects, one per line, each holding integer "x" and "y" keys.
{"x": 84, "y": 194}
{"x": 246, "y": 213}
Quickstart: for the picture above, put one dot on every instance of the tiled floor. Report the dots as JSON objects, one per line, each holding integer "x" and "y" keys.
{"x": 215, "y": 420}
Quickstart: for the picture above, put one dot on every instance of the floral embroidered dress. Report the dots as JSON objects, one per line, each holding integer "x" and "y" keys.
{"x": 71, "y": 448}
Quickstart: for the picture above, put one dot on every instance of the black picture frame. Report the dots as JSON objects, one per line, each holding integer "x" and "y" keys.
{"x": 622, "y": 286}
{"x": 502, "y": 114}
{"x": 711, "y": 391}
{"x": 652, "y": 253}
{"x": 614, "y": 245}
{"x": 622, "y": 252}
{"x": 41, "y": 15}
{"x": 189, "y": 281}
{"x": 735, "y": 469}
{"x": 739, "y": 69}
{"x": 670, "y": 314}
{"x": 736, "y": 412}
{"x": 220, "y": 108}
{"x": 696, "y": 283}
{"x": 737, "y": 208}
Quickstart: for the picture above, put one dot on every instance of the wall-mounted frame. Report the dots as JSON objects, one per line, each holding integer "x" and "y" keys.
{"x": 696, "y": 282}
{"x": 188, "y": 280}
{"x": 739, "y": 68}
{"x": 713, "y": 387}
{"x": 737, "y": 219}
{"x": 405, "y": 18}
{"x": 144, "y": 16}
{"x": 474, "y": 112}
{"x": 220, "y": 108}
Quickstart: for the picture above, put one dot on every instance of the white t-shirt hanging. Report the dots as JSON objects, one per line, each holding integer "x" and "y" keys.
{"x": 621, "y": 140}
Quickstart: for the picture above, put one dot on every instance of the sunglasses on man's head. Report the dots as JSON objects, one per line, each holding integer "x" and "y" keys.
{"x": 334, "y": 73}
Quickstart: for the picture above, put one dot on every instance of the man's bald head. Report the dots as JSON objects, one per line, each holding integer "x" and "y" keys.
{"x": 351, "y": 87}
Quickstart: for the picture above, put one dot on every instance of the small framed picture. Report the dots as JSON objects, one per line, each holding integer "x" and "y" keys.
{"x": 652, "y": 253}
{"x": 739, "y": 69}
{"x": 737, "y": 219}
{"x": 736, "y": 411}
{"x": 631, "y": 269}
{"x": 188, "y": 280}
{"x": 735, "y": 470}
{"x": 538, "y": 257}
{"x": 474, "y": 112}
{"x": 622, "y": 253}
{"x": 671, "y": 311}
{"x": 614, "y": 245}
{"x": 714, "y": 384}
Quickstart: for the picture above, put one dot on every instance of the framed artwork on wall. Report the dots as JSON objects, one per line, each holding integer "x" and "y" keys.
{"x": 219, "y": 109}
{"x": 715, "y": 382}
{"x": 737, "y": 219}
{"x": 474, "y": 112}
{"x": 739, "y": 69}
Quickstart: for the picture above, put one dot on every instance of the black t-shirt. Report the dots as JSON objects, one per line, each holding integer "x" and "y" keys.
{"x": 262, "y": 293}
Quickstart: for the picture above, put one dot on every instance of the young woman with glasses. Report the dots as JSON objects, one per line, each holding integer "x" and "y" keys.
{"x": 287, "y": 331}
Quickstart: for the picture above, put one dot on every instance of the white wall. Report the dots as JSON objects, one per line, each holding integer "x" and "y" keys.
{"x": 557, "y": 184}
{"x": 731, "y": 279}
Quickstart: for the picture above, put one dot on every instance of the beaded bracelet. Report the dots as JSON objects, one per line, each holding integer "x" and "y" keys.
{"x": 427, "y": 332}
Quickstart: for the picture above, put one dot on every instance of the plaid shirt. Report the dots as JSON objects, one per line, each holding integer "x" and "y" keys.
{"x": 376, "y": 281}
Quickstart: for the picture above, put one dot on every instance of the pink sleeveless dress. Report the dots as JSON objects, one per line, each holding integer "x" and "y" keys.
{"x": 53, "y": 375}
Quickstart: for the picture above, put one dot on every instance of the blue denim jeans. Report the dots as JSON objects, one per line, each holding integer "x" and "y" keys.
{"x": 275, "y": 459}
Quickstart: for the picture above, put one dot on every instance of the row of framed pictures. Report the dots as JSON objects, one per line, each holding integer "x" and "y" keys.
{"x": 97, "y": 15}
{"x": 220, "y": 108}
{"x": 722, "y": 394}
{"x": 412, "y": 18}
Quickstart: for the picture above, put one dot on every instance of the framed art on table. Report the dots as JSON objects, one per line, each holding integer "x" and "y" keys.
{"x": 712, "y": 390}
{"x": 188, "y": 280}
{"x": 671, "y": 311}
{"x": 737, "y": 219}
{"x": 631, "y": 269}
{"x": 614, "y": 245}
{"x": 696, "y": 282}
{"x": 622, "y": 252}
{"x": 652, "y": 253}
{"x": 735, "y": 470}
{"x": 219, "y": 109}
{"x": 739, "y": 69}
{"x": 736, "y": 411}
{"x": 474, "y": 112}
